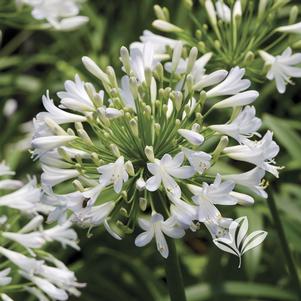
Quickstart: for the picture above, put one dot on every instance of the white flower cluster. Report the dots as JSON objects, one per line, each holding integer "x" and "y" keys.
{"x": 60, "y": 15}
{"x": 143, "y": 150}
{"x": 22, "y": 239}
{"x": 249, "y": 45}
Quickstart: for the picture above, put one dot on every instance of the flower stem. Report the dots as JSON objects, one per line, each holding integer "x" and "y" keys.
{"x": 174, "y": 274}
{"x": 284, "y": 243}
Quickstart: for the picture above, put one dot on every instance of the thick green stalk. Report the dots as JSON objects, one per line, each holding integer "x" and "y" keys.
{"x": 174, "y": 274}
{"x": 284, "y": 243}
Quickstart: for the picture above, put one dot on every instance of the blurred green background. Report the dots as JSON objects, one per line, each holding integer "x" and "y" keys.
{"x": 33, "y": 61}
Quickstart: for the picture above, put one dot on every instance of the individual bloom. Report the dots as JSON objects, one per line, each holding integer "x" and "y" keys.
{"x": 183, "y": 212}
{"x": 44, "y": 144}
{"x": 4, "y": 278}
{"x": 223, "y": 11}
{"x": 142, "y": 59}
{"x": 238, "y": 100}
{"x": 76, "y": 98}
{"x": 62, "y": 277}
{"x": 199, "y": 160}
{"x": 159, "y": 42}
{"x": 245, "y": 125}
{"x": 52, "y": 176}
{"x": 114, "y": 173}
{"x": 10, "y": 184}
{"x": 33, "y": 240}
{"x": 47, "y": 287}
{"x": 217, "y": 193}
{"x": 165, "y": 170}
{"x": 60, "y": 15}
{"x": 24, "y": 199}
{"x": 260, "y": 153}
{"x": 30, "y": 265}
{"x": 282, "y": 67}
{"x": 191, "y": 136}
{"x": 93, "y": 216}
{"x": 61, "y": 203}
{"x": 293, "y": 28}
{"x": 56, "y": 114}
{"x": 232, "y": 85}
{"x": 251, "y": 179}
{"x": 63, "y": 234}
{"x": 126, "y": 93}
{"x": 157, "y": 227}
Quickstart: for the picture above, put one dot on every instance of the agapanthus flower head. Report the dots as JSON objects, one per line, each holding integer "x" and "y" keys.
{"x": 141, "y": 150}
{"x": 60, "y": 15}
{"x": 23, "y": 241}
{"x": 238, "y": 33}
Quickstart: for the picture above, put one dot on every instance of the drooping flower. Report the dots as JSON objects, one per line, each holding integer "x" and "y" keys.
{"x": 157, "y": 227}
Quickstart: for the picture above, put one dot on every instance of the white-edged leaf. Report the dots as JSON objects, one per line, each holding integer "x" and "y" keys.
{"x": 253, "y": 240}
{"x": 242, "y": 231}
{"x": 224, "y": 247}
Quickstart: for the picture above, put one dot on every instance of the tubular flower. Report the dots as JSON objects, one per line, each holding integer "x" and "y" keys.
{"x": 145, "y": 146}
{"x": 23, "y": 238}
{"x": 253, "y": 28}
{"x": 60, "y": 15}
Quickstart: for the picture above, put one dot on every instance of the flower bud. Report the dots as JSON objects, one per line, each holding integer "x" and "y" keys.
{"x": 149, "y": 152}
{"x": 125, "y": 59}
{"x": 140, "y": 184}
{"x": 166, "y": 26}
{"x": 143, "y": 203}
{"x": 129, "y": 168}
{"x": 92, "y": 67}
{"x": 115, "y": 150}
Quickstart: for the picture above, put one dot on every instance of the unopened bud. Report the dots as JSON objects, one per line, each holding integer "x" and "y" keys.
{"x": 78, "y": 186}
{"x": 115, "y": 150}
{"x": 140, "y": 184}
{"x": 129, "y": 168}
{"x": 92, "y": 67}
{"x": 143, "y": 203}
{"x": 191, "y": 59}
{"x": 125, "y": 59}
{"x": 149, "y": 152}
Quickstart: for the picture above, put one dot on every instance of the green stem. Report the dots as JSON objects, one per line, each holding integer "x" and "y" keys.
{"x": 172, "y": 265}
{"x": 174, "y": 274}
{"x": 284, "y": 243}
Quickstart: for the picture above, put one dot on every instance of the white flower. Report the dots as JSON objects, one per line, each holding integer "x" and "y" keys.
{"x": 219, "y": 227}
{"x": 113, "y": 173}
{"x": 10, "y": 184}
{"x": 52, "y": 176}
{"x": 157, "y": 227}
{"x": 30, "y": 265}
{"x": 75, "y": 97}
{"x": 238, "y": 100}
{"x": 207, "y": 196}
{"x": 223, "y": 11}
{"x": 28, "y": 240}
{"x": 165, "y": 170}
{"x": 93, "y": 216}
{"x": 49, "y": 142}
{"x": 142, "y": 59}
{"x": 24, "y": 199}
{"x": 199, "y": 160}
{"x": 60, "y": 15}
{"x": 47, "y": 287}
{"x": 251, "y": 179}
{"x": 56, "y": 114}
{"x": 282, "y": 67}
{"x": 191, "y": 136}
{"x": 159, "y": 42}
{"x": 4, "y": 278}
{"x": 243, "y": 126}
{"x": 293, "y": 28}
{"x": 64, "y": 234}
{"x": 260, "y": 153}
{"x": 126, "y": 93}
{"x": 233, "y": 84}
{"x": 183, "y": 212}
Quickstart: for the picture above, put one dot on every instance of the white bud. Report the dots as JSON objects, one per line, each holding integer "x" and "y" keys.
{"x": 149, "y": 152}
